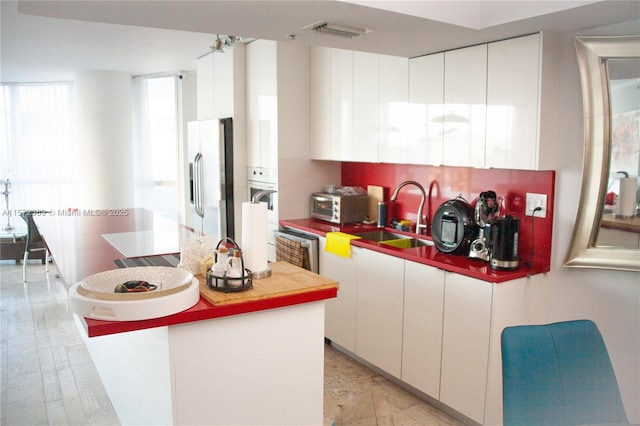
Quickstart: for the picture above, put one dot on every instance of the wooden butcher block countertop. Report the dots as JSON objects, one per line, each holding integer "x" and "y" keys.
{"x": 628, "y": 224}
{"x": 285, "y": 280}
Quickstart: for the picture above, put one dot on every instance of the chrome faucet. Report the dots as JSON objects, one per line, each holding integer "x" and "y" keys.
{"x": 419, "y": 224}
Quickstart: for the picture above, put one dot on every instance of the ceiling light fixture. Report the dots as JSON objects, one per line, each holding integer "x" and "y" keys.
{"x": 337, "y": 30}
{"x": 226, "y": 42}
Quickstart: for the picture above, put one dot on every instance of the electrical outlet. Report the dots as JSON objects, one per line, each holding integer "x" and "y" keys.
{"x": 534, "y": 201}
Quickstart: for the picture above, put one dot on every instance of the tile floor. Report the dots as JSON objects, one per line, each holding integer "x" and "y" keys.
{"x": 356, "y": 395}
{"x": 48, "y": 377}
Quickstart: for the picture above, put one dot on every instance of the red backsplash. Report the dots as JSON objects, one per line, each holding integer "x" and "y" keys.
{"x": 447, "y": 183}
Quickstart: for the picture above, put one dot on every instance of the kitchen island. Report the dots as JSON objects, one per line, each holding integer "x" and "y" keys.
{"x": 256, "y": 360}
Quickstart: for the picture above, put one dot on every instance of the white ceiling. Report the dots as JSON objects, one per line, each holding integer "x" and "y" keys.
{"x": 52, "y": 40}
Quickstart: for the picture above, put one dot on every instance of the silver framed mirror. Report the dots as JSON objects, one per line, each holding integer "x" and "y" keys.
{"x": 596, "y": 56}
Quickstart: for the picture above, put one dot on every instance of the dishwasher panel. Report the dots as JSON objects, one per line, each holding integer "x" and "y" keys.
{"x": 298, "y": 249}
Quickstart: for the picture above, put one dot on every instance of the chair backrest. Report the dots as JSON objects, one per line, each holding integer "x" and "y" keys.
{"x": 34, "y": 239}
{"x": 558, "y": 374}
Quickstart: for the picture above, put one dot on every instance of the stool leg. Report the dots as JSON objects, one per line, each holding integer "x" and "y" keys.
{"x": 46, "y": 260}
{"x": 24, "y": 267}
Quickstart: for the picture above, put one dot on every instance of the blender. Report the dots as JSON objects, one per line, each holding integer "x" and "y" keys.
{"x": 486, "y": 210}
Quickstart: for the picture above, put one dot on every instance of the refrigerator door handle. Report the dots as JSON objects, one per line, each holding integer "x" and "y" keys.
{"x": 198, "y": 179}
{"x": 223, "y": 161}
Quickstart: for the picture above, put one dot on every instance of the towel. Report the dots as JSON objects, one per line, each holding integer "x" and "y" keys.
{"x": 291, "y": 252}
{"x": 339, "y": 243}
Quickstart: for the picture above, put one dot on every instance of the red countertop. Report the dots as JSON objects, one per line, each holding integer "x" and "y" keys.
{"x": 76, "y": 244}
{"x": 428, "y": 255}
{"x": 204, "y": 310}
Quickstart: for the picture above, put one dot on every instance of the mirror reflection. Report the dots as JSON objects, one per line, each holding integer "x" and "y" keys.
{"x": 620, "y": 224}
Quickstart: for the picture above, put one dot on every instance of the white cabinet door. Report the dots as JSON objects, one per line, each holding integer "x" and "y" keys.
{"x": 465, "y": 344}
{"x": 366, "y": 81}
{"x": 204, "y": 86}
{"x": 394, "y": 102}
{"x": 262, "y": 104}
{"x": 512, "y": 103}
{"x": 426, "y": 109}
{"x": 214, "y": 81}
{"x": 465, "y": 97}
{"x": 223, "y": 84}
{"x": 320, "y": 107}
{"x": 422, "y": 331}
{"x": 341, "y": 104}
{"x": 340, "y": 313}
{"x": 268, "y": 102}
{"x": 379, "y": 305}
{"x": 253, "y": 106}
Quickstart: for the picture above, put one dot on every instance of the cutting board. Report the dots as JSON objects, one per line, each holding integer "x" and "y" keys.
{"x": 376, "y": 194}
{"x": 286, "y": 279}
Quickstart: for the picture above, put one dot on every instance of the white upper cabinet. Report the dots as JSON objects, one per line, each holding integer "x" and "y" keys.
{"x": 223, "y": 84}
{"x": 465, "y": 98}
{"x": 341, "y": 104}
{"x": 426, "y": 109}
{"x": 393, "y": 104}
{"x": 214, "y": 80}
{"x": 320, "y": 107}
{"x": 204, "y": 83}
{"x": 366, "y": 80}
{"x": 514, "y": 104}
{"x": 253, "y": 104}
{"x": 364, "y": 96}
{"x": 491, "y": 105}
{"x": 262, "y": 104}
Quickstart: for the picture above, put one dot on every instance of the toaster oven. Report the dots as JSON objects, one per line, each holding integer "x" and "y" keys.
{"x": 339, "y": 208}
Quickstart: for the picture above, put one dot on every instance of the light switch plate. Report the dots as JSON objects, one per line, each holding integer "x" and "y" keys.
{"x": 534, "y": 201}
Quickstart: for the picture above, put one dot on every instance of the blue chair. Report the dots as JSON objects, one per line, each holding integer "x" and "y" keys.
{"x": 558, "y": 374}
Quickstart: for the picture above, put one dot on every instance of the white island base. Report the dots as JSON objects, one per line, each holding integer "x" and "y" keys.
{"x": 259, "y": 368}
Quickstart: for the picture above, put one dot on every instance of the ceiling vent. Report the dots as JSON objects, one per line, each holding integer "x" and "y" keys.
{"x": 336, "y": 30}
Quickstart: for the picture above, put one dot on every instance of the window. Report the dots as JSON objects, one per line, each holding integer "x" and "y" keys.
{"x": 37, "y": 147}
{"x": 156, "y": 144}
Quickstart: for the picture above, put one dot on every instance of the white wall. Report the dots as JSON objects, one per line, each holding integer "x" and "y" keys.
{"x": 105, "y": 149}
{"x": 610, "y": 298}
{"x": 298, "y": 176}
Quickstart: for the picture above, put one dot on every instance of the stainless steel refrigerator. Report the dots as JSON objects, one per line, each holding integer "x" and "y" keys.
{"x": 210, "y": 153}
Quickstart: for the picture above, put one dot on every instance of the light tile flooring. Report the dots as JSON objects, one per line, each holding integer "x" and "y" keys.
{"x": 48, "y": 377}
{"x": 356, "y": 395}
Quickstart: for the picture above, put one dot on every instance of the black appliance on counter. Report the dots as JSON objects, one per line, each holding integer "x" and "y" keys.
{"x": 504, "y": 243}
{"x": 487, "y": 209}
{"x": 453, "y": 227}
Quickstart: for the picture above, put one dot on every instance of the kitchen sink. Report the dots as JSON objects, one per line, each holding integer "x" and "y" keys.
{"x": 380, "y": 235}
{"x": 407, "y": 243}
{"x": 385, "y": 237}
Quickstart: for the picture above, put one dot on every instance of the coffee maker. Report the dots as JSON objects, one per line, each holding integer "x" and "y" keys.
{"x": 485, "y": 212}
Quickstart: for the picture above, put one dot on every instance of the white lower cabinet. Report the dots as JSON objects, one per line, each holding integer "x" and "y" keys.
{"x": 379, "y": 309}
{"x": 427, "y": 327}
{"x": 465, "y": 344}
{"x": 340, "y": 312}
{"x": 422, "y": 330}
